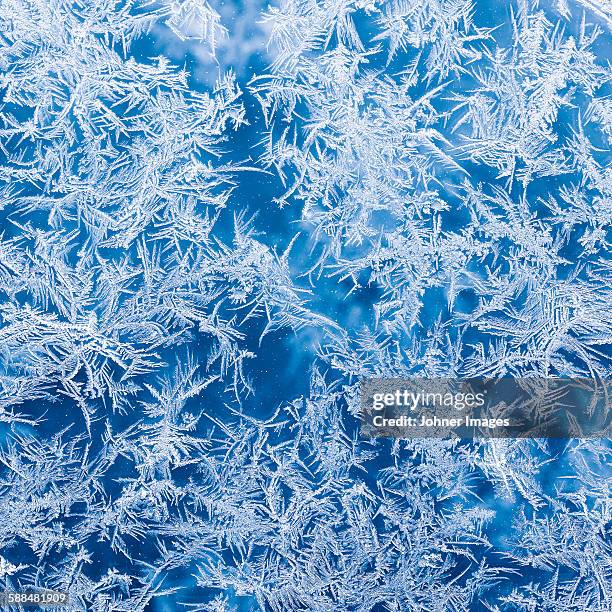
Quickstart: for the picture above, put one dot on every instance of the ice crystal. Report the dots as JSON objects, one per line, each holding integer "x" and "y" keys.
{"x": 195, "y": 276}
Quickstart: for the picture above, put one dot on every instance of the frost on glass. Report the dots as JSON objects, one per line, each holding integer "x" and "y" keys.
{"x": 216, "y": 218}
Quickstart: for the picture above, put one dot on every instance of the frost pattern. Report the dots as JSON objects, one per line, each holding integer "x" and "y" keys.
{"x": 193, "y": 279}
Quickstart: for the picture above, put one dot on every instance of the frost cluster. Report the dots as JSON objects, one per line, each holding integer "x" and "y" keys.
{"x": 194, "y": 279}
